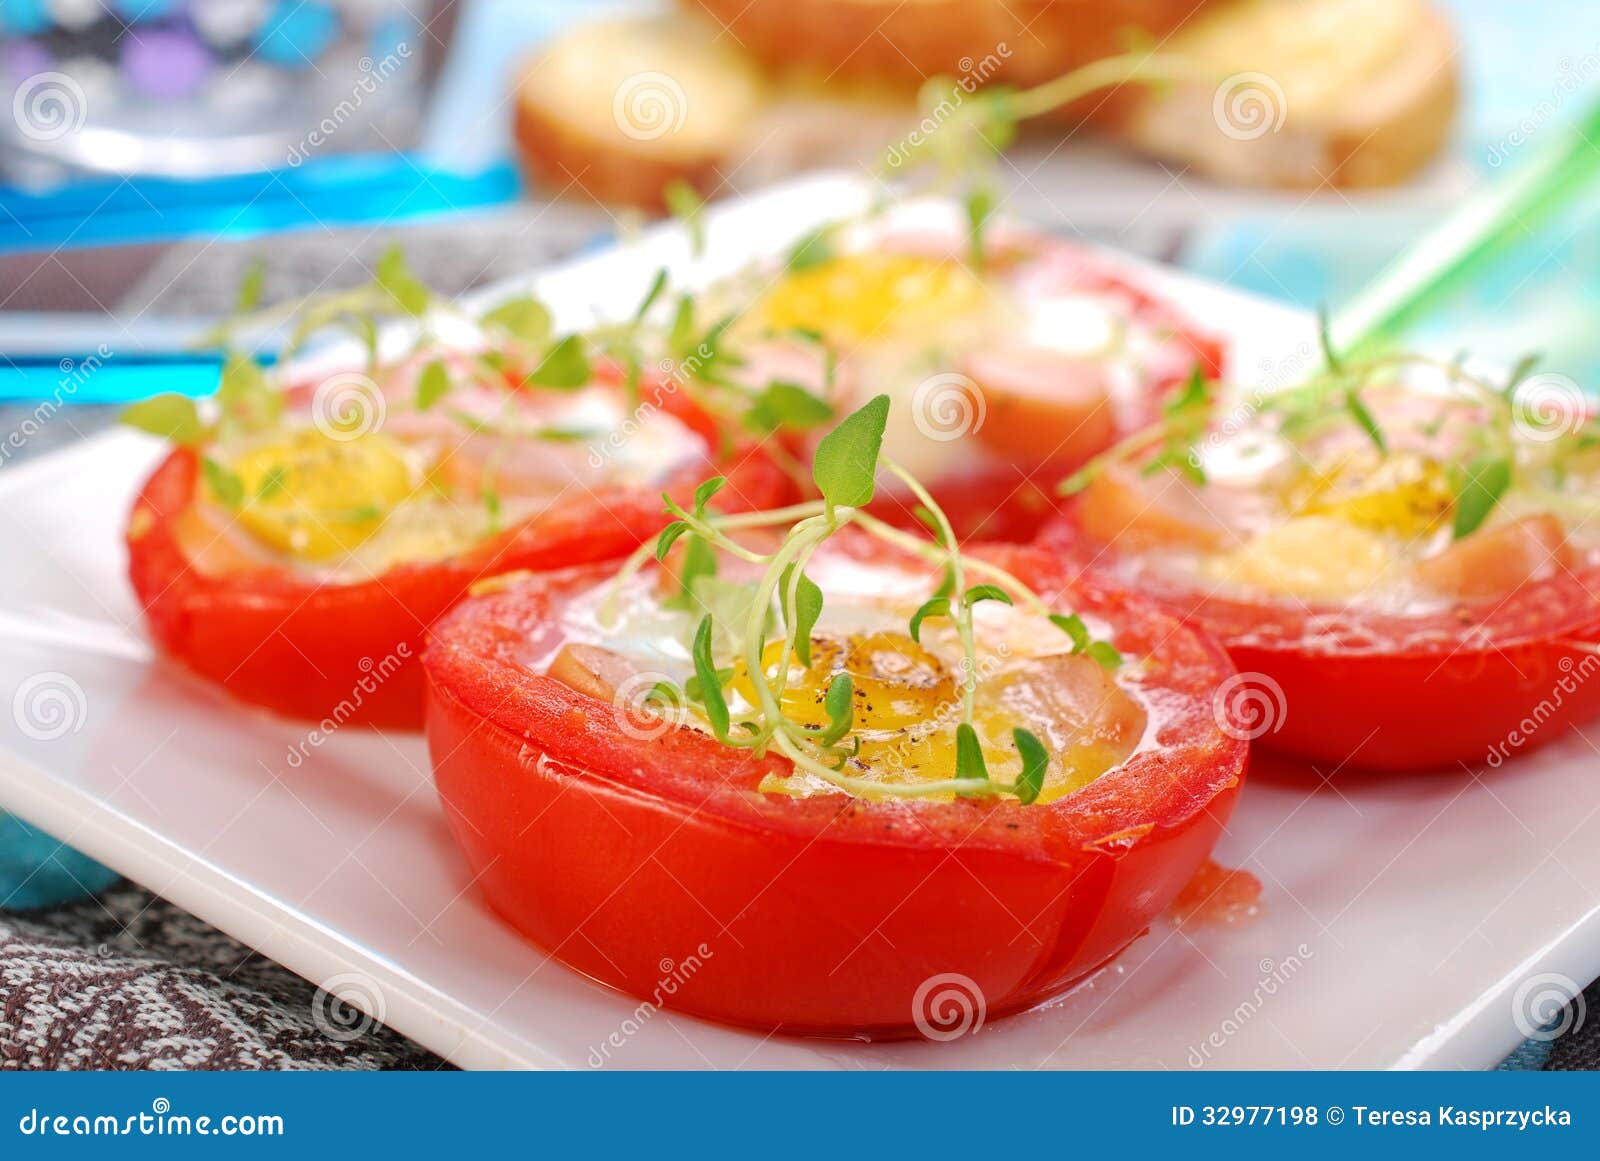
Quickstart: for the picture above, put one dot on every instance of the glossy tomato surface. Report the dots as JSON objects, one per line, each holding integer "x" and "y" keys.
{"x": 350, "y": 652}
{"x": 1362, "y": 689}
{"x": 827, "y": 915}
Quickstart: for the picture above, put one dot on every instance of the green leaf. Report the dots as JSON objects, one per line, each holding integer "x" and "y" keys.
{"x": 1521, "y": 370}
{"x": 432, "y": 385}
{"x": 1364, "y": 417}
{"x": 947, "y": 582}
{"x": 986, "y": 593}
{"x": 1035, "y": 764}
{"x": 248, "y": 401}
{"x": 669, "y": 534}
{"x": 664, "y": 692}
{"x": 565, "y": 366}
{"x": 1192, "y": 396}
{"x": 839, "y": 701}
{"x": 657, "y": 285}
{"x": 969, "y": 754}
{"x": 846, "y": 465}
{"x": 685, "y": 203}
{"x": 807, "y": 608}
{"x": 699, "y": 563}
{"x": 524, "y": 318}
{"x": 249, "y": 294}
{"x": 394, "y": 276}
{"x": 710, "y": 687}
{"x": 812, "y": 250}
{"x": 275, "y": 480}
{"x": 1105, "y": 653}
{"x": 1072, "y": 625}
{"x": 708, "y": 489}
{"x": 1478, "y": 489}
{"x": 932, "y": 607}
{"x": 979, "y": 204}
{"x": 680, "y": 338}
{"x": 491, "y": 505}
{"x": 789, "y": 405}
{"x": 227, "y": 487}
{"x": 925, "y": 514}
{"x": 172, "y": 417}
{"x": 1325, "y": 339}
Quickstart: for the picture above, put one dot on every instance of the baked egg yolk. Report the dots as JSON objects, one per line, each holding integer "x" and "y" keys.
{"x": 316, "y": 497}
{"x": 907, "y": 704}
{"x": 872, "y": 296}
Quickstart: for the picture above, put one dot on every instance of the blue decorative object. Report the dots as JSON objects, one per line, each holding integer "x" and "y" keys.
{"x": 38, "y": 871}
{"x": 297, "y": 33}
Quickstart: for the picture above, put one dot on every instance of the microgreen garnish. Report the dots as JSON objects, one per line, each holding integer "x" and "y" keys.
{"x": 225, "y": 485}
{"x": 172, "y": 417}
{"x": 812, "y": 250}
{"x": 846, "y": 465}
{"x": 432, "y": 385}
{"x": 740, "y": 619}
{"x": 1479, "y": 487}
{"x": 785, "y": 404}
{"x": 1035, "y": 764}
{"x": 524, "y": 318}
{"x": 710, "y": 684}
{"x": 565, "y": 366}
{"x": 685, "y": 204}
{"x": 1493, "y": 424}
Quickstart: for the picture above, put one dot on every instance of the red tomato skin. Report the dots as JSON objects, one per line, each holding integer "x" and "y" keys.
{"x": 814, "y": 917}
{"x": 349, "y": 653}
{"x": 1473, "y": 685}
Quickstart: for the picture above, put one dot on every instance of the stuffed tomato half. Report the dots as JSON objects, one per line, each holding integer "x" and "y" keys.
{"x": 1401, "y": 557}
{"x": 297, "y": 541}
{"x": 1012, "y": 356}
{"x": 835, "y": 764}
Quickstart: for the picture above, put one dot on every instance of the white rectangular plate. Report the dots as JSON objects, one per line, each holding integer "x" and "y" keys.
{"x": 1405, "y": 919}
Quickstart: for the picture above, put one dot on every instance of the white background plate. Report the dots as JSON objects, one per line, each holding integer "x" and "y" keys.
{"x": 1407, "y": 921}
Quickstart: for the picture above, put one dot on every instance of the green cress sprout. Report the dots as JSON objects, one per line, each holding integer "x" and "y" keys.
{"x": 740, "y": 619}
{"x": 1493, "y": 459}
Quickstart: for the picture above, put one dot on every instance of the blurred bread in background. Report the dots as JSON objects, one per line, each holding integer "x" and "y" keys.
{"x": 1296, "y": 93}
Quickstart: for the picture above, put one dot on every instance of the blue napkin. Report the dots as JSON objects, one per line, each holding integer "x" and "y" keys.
{"x": 38, "y": 871}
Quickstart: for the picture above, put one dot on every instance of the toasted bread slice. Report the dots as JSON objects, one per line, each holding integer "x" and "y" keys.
{"x": 622, "y": 108}
{"x": 1346, "y": 93}
{"x": 905, "y": 42}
